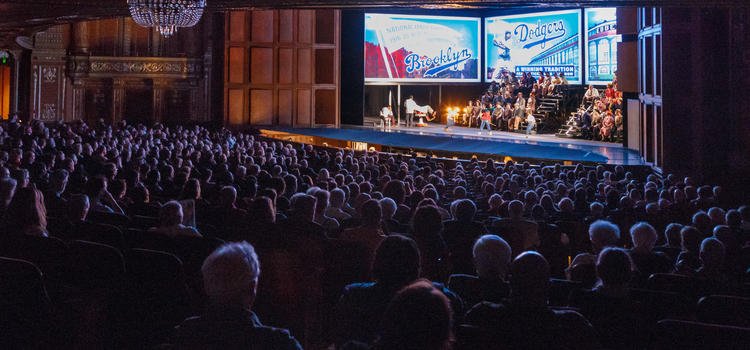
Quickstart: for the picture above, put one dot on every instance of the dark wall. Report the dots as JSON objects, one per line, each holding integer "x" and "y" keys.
{"x": 705, "y": 92}
{"x": 352, "y": 66}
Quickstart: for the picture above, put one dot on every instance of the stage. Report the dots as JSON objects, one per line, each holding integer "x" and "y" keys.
{"x": 464, "y": 140}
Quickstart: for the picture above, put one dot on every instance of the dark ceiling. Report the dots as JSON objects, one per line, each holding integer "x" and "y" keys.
{"x": 23, "y": 17}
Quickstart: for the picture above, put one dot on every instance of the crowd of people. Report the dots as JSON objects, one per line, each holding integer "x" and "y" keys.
{"x": 600, "y": 117}
{"x": 503, "y": 106}
{"x": 449, "y": 252}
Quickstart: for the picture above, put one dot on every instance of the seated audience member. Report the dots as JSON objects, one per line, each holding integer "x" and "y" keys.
{"x": 53, "y": 200}
{"x": 359, "y": 314}
{"x": 337, "y": 200}
{"x": 300, "y": 222}
{"x": 619, "y": 322}
{"x": 522, "y": 234}
{"x": 426, "y": 226}
{"x": 101, "y": 200}
{"x": 460, "y": 234}
{"x": 7, "y": 189}
{"x": 26, "y": 214}
{"x": 491, "y": 260}
{"x": 388, "y": 208}
{"x": 647, "y": 262}
{"x": 141, "y": 204}
{"x": 525, "y": 321}
{"x": 230, "y": 279}
{"x": 329, "y": 223}
{"x": 603, "y": 234}
{"x": 418, "y": 318}
{"x": 674, "y": 242}
{"x": 369, "y": 233}
{"x": 170, "y": 222}
{"x": 712, "y": 256}
{"x": 688, "y": 262}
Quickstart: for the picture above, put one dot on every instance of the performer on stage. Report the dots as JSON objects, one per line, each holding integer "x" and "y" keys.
{"x": 386, "y": 117}
{"x": 531, "y": 124}
{"x": 476, "y": 113}
{"x": 410, "y": 106}
{"x": 467, "y": 113}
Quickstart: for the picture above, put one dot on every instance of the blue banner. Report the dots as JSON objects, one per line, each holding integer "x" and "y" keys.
{"x": 548, "y": 41}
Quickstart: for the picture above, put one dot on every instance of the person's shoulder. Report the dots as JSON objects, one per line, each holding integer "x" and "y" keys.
{"x": 275, "y": 338}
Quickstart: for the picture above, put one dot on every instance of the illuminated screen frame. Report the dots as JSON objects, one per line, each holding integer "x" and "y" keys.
{"x": 476, "y": 43}
{"x": 602, "y": 28}
{"x": 490, "y": 52}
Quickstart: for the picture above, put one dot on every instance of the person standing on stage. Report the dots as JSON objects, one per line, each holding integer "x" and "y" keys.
{"x": 518, "y": 115}
{"x": 410, "y": 107}
{"x": 386, "y": 117}
{"x": 532, "y": 123}
{"x": 497, "y": 114}
{"x": 467, "y": 113}
{"x": 485, "y": 121}
{"x": 476, "y": 113}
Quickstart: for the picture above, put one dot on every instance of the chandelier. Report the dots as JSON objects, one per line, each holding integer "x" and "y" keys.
{"x": 166, "y": 15}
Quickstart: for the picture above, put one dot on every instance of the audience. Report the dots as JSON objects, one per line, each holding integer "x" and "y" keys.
{"x": 468, "y": 219}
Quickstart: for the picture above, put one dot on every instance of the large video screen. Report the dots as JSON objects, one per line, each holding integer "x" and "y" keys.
{"x": 601, "y": 44}
{"x": 533, "y": 42}
{"x": 406, "y": 48}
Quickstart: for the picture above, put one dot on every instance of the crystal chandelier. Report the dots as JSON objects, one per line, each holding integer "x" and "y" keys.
{"x": 166, "y": 15}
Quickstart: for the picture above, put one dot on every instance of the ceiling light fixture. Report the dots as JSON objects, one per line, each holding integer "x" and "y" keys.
{"x": 166, "y": 15}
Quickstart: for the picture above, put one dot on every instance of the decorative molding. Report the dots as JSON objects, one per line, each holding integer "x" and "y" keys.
{"x": 147, "y": 67}
{"x": 49, "y": 111}
{"x": 50, "y": 74}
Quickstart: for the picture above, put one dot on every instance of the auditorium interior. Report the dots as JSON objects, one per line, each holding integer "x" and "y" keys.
{"x": 223, "y": 174}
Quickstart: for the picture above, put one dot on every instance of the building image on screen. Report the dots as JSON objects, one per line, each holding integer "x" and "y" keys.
{"x": 533, "y": 42}
{"x": 601, "y": 44}
{"x": 403, "y": 48}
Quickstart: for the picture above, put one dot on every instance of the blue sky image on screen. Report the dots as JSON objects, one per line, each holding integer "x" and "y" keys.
{"x": 401, "y": 48}
{"x": 548, "y": 41}
{"x": 601, "y": 44}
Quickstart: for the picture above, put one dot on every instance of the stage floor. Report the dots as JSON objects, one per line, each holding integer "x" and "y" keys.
{"x": 466, "y": 140}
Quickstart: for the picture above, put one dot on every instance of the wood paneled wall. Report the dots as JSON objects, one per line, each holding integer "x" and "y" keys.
{"x": 282, "y": 67}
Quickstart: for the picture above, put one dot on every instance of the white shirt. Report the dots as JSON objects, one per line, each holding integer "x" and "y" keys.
{"x": 530, "y": 119}
{"x": 410, "y": 106}
{"x": 386, "y": 112}
{"x": 592, "y": 93}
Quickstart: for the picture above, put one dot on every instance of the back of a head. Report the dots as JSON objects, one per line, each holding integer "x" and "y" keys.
{"x": 7, "y": 188}
{"x": 515, "y": 209}
{"x": 337, "y": 198}
{"x": 718, "y": 216}
{"x": 691, "y": 239}
{"x": 529, "y": 277}
{"x": 78, "y": 206}
{"x": 644, "y": 236}
{"x": 674, "y": 238}
{"x": 371, "y": 212}
{"x": 418, "y": 318}
{"x": 491, "y": 257}
{"x": 396, "y": 261}
{"x": 724, "y": 234}
{"x": 712, "y": 252}
{"x": 566, "y": 205}
{"x": 170, "y": 214}
{"x": 230, "y": 275}
{"x": 465, "y": 210}
{"x": 388, "y": 208}
{"x": 603, "y": 234}
{"x": 304, "y": 205}
{"x": 614, "y": 267}
{"x": 394, "y": 189}
{"x": 261, "y": 210}
{"x": 427, "y": 221}
{"x": 734, "y": 219}
{"x": 322, "y": 196}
